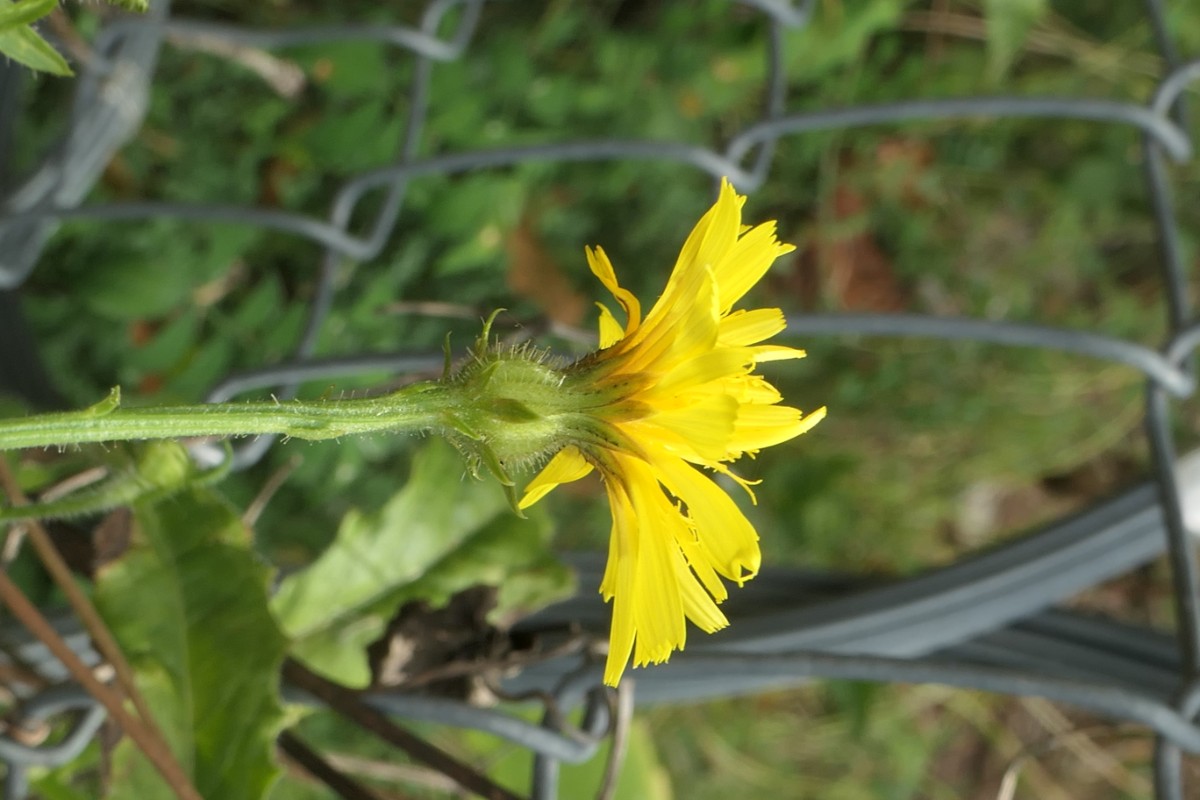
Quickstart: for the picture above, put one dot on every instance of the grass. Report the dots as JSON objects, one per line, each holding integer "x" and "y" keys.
{"x": 1024, "y": 220}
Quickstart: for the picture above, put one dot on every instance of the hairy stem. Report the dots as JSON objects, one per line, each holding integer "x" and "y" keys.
{"x": 413, "y": 409}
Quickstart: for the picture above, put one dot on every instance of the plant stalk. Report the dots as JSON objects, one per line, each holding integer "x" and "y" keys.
{"x": 413, "y": 409}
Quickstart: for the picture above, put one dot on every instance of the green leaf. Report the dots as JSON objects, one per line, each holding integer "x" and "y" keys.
{"x": 147, "y": 473}
{"x": 441, "y": 533}
{"x": 1008, "y": 24}
{"x": 188, "y": 605}
{"x": 837, "y": 36}
{"x": 78, "y": 779}
{"x": 14, "y": 14}
{"x": 26, "y": 46}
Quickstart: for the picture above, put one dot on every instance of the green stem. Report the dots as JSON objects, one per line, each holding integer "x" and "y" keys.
{"x": 416, "y": 408}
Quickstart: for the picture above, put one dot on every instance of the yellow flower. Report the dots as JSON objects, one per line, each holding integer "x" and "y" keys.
{"x": 674, "y": 391}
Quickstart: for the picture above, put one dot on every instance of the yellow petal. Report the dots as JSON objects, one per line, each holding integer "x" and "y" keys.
{"x": 706, "y": 245}
{"x": 705, "y": 426}
{"x": 620, "y": 638}
{"x": 715, "y": 365}
{"x": 722, "y": 230}
{"x": 602, "y": 268}
{"x": 776, "y": 352}
{"x": 687, "y": 334}
{"x": 744, "y": 264}
{"x": 762, "y": 426}
{"x": 743, "y": 327}
{"x": 677, "y": 328}
{"x": 698, "y": 604}
{"x": 717, "y": 217}
{"x": 608, "y": 584}
{"x": 657, "y": 603}
{"x": 686, "y": 398}
{"x": 752, "y": 389}
{"x": 611, "y": 331}
{"x": 724, "y": 533}
{"x": 620, "y": 581}
{"x": 701, "y": 566}
{"x": 566, "y": 466}
{"x": 699, "y": 325}
{"x": 622, "y": 634}
{"x": 666, "y": 441}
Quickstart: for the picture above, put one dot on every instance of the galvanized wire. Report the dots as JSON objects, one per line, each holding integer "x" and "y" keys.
{"x": 63, "y": 699}
{"x": 986, "y": 623}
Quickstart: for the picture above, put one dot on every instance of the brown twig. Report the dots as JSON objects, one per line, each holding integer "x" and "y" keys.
{"x": 498, "y": 664}
{"x": 311, "y": 762}
{"x": 64, "y": 29}
{"x": 433, "y": 308}
{"x": 284, "y": 77}
{"x": 1046, "y": 39}
{"x": 80, "y": 480}
{"x": 274, "y": 482}
{"x": 1028, "y": 754}
{"x": 349, "y": 705}
{"x": 622, "y": 717}
{"x": 412, "y": 774}
{"x": 11, "y": 547}
{"x": 18, "y": 671}
{"x": 61, "y": 573}
{"x": 154, "y": 747}
{"x": 1081, "y": 742}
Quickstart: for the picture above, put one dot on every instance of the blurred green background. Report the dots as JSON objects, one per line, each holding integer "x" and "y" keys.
{"x": 931, "y": 450}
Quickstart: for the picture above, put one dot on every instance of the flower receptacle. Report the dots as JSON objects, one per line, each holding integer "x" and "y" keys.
{"x": 506, "y": 410}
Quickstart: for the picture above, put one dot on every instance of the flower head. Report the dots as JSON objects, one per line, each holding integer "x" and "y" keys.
{"x": 669, "y": 395}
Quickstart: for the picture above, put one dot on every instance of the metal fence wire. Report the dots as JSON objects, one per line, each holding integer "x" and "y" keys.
{"x": 988, "y": 622}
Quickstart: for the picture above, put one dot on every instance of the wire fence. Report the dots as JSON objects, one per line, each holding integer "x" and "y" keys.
{"x": 987, "y": 623}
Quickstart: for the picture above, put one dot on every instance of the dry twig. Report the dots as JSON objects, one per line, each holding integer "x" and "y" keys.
{"x": 144, "y": 732}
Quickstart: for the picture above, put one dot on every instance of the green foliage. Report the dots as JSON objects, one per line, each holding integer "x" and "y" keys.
{"x": 21, "y": 42}
{"x": 642, "y": 775}
{"x": 146, "y": 474}
{"x": 1009, "y": 23}
{"x": 63, "y": 783}
{"x": 441, "y": 533}
{"x": 1021, "y": 220}
{"x": 188, "y": 605}
{"x": 14, "y": 13}
{"x": 839, "y": 36}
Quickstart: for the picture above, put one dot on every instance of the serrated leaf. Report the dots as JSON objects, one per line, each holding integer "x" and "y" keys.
{"x": 14, "y": 14}
{"x": 1008, "y": 25}
{"x": 188, "y": 605}
{"x": 26, "y": 46}
{"x": 443, "y": 532}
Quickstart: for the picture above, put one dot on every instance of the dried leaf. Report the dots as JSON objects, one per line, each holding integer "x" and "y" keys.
{"x": 535, "y": 275}
{"x": 860, "y": 275}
